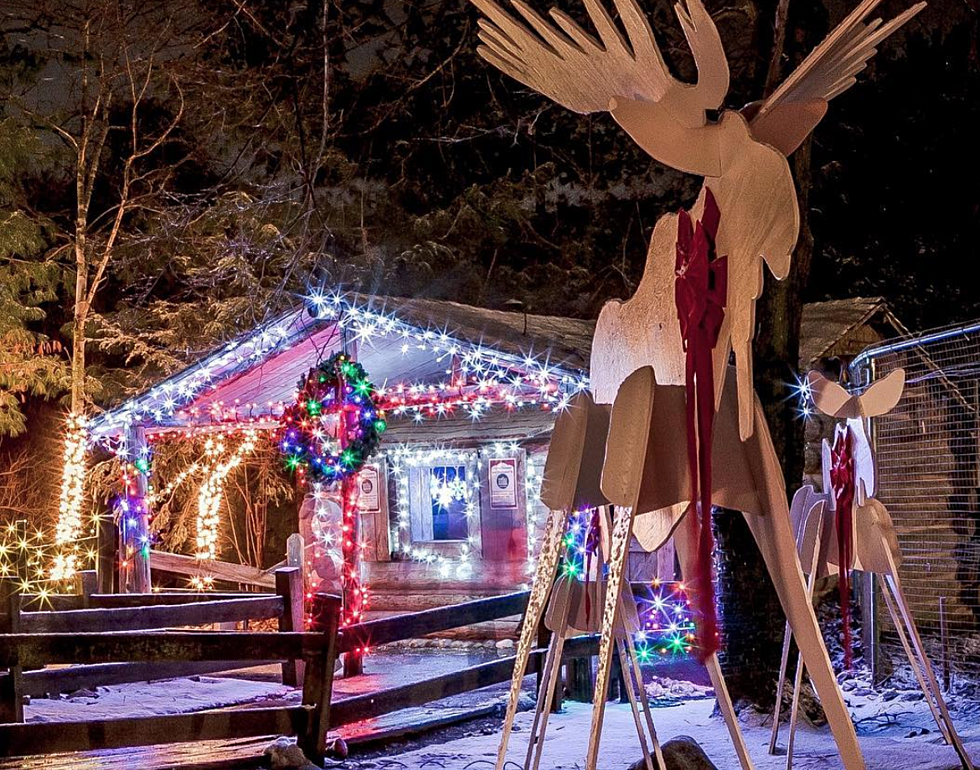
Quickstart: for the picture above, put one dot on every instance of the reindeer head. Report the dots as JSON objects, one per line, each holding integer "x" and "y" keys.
{"x": 832, "y": 400}
{"x": 626, "y": 76}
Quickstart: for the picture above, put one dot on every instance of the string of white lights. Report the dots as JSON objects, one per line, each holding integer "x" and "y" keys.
{"x": 403, "y": 459}
{"x": 211, "y": 493}
{"x": 492, "y": 376}
{"x": 71, "y": 499}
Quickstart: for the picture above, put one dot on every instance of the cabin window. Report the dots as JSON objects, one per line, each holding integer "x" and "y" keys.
{"x": 449, "y": 496}
{"x": 443, "y": 500}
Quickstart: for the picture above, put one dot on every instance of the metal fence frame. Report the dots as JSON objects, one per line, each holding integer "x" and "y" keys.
{"x": 928, "y": 358}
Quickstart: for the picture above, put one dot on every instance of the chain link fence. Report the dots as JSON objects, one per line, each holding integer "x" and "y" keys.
{"x": 928, "y": 452}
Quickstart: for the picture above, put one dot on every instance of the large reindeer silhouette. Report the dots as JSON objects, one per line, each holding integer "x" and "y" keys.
{"x": 640, "y": 362}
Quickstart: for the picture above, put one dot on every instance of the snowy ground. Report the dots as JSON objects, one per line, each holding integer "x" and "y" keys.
{"x": 895, "y": 727}
{"x": 173, "y": 696}
{"x": 884, "y": 749}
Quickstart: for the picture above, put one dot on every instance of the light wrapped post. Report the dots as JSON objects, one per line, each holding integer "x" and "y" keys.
{"x": 134, "y": 516}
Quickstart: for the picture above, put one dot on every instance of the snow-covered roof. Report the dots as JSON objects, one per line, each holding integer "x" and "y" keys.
{"x": 411, "y": 343}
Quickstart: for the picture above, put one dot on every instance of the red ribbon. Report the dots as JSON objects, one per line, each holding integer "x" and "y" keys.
{"x": 700, "y": 293}
{"x": 591, "y": 546}
{"x": 842, "y": 483}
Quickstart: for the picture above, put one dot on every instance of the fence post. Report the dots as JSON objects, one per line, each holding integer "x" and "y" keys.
{"x": 870, "y": 630}
{"x": 578, "y": 676}
{"x": 11, "y": 701}
{"x": 289, "y": 585}
{"x": 86, "y": 584}
{"x": 318, "y": 682}
{"x": 108, "y": 544}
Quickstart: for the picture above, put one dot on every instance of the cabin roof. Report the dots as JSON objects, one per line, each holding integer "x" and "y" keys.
{"x": 395, "y": 339}
{"x": 826, "y": 324}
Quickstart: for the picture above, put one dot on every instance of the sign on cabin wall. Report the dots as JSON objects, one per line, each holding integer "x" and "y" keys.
{"x": 503, "y": 518}
{"x": 503, "y": 483}
{"x": 369, "y": 489}
{"x": 372, "y": 501}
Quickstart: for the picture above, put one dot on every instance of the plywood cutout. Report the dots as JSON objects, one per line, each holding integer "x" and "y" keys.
{"x": 875, "y": 544}
{"x": 746, "y": 169}
{"x": 743, "y": 159}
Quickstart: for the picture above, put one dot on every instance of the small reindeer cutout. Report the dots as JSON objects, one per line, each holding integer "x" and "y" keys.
{"x": 847, "y": 527}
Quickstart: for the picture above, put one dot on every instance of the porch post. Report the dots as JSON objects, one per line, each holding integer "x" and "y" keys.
{"x": 134, "y": 528}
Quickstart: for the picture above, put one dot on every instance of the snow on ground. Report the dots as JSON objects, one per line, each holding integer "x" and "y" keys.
{"x": 895, "y": 727}
{"x": 172, "y": 696}
{"x": 882, "y": 728}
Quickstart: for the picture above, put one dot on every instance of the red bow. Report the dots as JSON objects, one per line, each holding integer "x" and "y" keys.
{"x": 842, "y": 484}
{"x": 700, "y": 293}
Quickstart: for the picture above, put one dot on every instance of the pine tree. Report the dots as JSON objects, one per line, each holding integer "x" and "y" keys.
{"x": 30, "y": 362}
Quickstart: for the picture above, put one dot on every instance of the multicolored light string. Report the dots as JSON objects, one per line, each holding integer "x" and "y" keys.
{"x": 477, "y": 377}
{"x": 666, "y": 618}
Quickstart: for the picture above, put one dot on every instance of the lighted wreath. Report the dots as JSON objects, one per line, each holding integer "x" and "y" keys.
{"x": 315, "y": 445}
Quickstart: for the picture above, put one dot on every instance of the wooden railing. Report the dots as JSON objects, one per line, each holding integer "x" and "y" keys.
{"x": 243, "y": 574}
{"x": 106, "y": 614}
{"x": 318, "y": 650}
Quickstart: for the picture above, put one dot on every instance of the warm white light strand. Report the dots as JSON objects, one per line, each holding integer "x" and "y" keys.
{"x": 71, "y": 499}
{"x": 212, "y": 490}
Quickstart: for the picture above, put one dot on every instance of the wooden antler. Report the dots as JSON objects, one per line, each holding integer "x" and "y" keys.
{"x": 565, "y": 63}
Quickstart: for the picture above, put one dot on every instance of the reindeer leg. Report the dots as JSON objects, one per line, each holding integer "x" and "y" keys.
{"x": 686, "y": 545}
{"x": 780, "y": 684}
{"x": 558, "y": 641}
{"x": 540, "y": 590}
{"x": 914, "y": 663}
{"x": 634, "y": 708}
{"x": 618, "y": 551}
{"x": 788, "y": 633}
{"x": 893, "y": 582}
{"x": 549, "y": 676}
{"x": 798, "y": 680}
{"x": 645, "y": 703}
{"x": 774, "y": 536}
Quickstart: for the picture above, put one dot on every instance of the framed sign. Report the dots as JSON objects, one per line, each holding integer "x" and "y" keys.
{"x": 369, "y": 489}
{"x": 503, "y": 483}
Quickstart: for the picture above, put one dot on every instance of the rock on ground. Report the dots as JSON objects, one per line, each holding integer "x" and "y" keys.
{"x": 284, "y": 754}
{"x": 680, "y": 753}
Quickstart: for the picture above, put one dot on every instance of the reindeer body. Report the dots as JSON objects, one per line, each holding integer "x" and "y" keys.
{"x": 644, "y": 330}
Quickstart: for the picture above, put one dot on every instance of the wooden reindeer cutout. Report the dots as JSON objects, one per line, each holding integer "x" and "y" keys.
{"x": 847, "y": 528}
{"x": 666, "y": 349}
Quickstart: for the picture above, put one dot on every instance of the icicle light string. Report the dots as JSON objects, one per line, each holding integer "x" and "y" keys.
{"x": 482, "y": 376}
{"x": 402, "y": 459}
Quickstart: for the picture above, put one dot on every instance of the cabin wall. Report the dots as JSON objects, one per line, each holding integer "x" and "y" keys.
{"x": 500, "y": 547}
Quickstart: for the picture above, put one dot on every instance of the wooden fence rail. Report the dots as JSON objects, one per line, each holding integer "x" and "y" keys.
{"x": 178, "y": 564}
{"x": 231, "y": 724}
{"x": 373, "y": 633}
{"x": 318, "y": 650}
{"x": 160, "y": 616}
{"x": 101, "y": 613}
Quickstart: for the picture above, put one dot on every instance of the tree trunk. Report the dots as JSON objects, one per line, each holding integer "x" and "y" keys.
{"x": 80, "y": 310}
